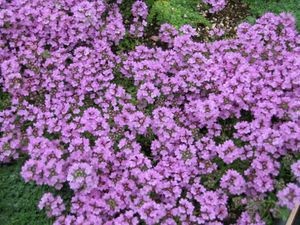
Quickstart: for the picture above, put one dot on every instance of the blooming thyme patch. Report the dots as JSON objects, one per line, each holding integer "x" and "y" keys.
{"x": 201, "y": 125}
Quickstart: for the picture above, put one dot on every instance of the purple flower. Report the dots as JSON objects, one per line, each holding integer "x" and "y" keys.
{"x": 81, "y": 176}
{"x": 217, "y": 5}
{"x": 139, "y": 11}
{"x": 289, "y": 196}
{"x": 54, "y": 206}
{"x": 247, "y": 219}
{"x": 296, "y": 169}
{"x": 229, "y": 152}
{"x": 233, "y": 182}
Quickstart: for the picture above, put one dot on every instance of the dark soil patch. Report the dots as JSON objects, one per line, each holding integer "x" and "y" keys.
{"x": 227, "y": 19}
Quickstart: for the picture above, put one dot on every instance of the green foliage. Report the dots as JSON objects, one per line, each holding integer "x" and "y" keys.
{"x": 177, "y": 13}
{"x": 145, "y": 142}
{"x": 51, "y": 136}
{"x": 284, "y": 213}
{"x": 46, "y": 54}
{"x": 90, "y": 137}
{"x": 259, "y": 7}
{"x": 18, "y": 201}
{"x": 4, "y": 100}
{"x": 128, "y": 44}
{"x": 285, "y": 172}
{"x": 270, "y": 212}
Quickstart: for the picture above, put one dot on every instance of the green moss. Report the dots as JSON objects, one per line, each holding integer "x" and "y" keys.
{"x": 177, "y": 13}
{"x": 4, "y": 100}
{"x": 18, "y": 200}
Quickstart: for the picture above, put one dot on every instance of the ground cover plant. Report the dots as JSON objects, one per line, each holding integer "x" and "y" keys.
{"x": 177, "y": 13}
{"x": 117, "y": 124}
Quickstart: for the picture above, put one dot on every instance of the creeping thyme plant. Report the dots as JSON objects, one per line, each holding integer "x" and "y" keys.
{"x": 173, "y": 132}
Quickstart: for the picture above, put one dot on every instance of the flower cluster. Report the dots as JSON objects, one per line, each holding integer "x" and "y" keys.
{"x": 148, "y": 92}
{"x": 216, "y": 5}
{"x": 247, "y": 219}
{"x": 213, "y": 206}
{"x": 82, "y": 177}
{"x": 167, "y": 34}
{"x": 46, "y": 165}
{"x": 289, "y": 196}
{"x": 139, "y": 12}
{"x": 217, "y": 32}
{"x": 296, "y": 170}
{"x": 54, "y": 206}
{"x": 233, "y": 182}
{"x": 140, "y": 136}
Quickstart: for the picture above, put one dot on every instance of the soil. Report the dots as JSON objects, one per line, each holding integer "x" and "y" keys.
{"x": 227, "y": 19}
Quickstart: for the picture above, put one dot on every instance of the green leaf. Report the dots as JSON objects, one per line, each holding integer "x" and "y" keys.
{"x": 284, "y": 213}
{"x": 46, "y": 54}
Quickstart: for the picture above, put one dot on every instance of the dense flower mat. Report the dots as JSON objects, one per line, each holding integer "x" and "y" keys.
{"x": 138, "y": 136}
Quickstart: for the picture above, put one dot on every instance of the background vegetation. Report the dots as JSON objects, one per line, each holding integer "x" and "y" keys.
{"x": 259, "y": 7}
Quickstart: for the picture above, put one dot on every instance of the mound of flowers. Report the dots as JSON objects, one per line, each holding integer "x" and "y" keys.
{"x": 173, "y": 134}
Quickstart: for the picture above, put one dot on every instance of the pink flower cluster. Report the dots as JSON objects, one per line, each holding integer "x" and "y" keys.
{"x": 233, "y": 182}
{"x": 289, "y": 196}
{"x": 135, "y": 135}
{"x": 216, "y": 5}
{"x": 216, "y": 32}
{"x": 139, "y": 12}
{"x": 45, "y": 166}
{"x": 296, "y": 170}
{"x": 54, "y": 206}
{"x": 167, "y": 33}
{"x": 247, "y": 219}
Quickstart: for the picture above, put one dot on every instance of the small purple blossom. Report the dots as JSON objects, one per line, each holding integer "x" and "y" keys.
{"x": 54, "y": 206}
{"x": 229, "y": 152}
{"x": 247, "y": 219}
{"x": 289, "y": 196}
{"x": 81, "y": 176}
{"x": 139, "y": 11}
{"x": 296, "y": 170}
{"x": 233, "y": 182}
{"x": 217, "y": 5}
